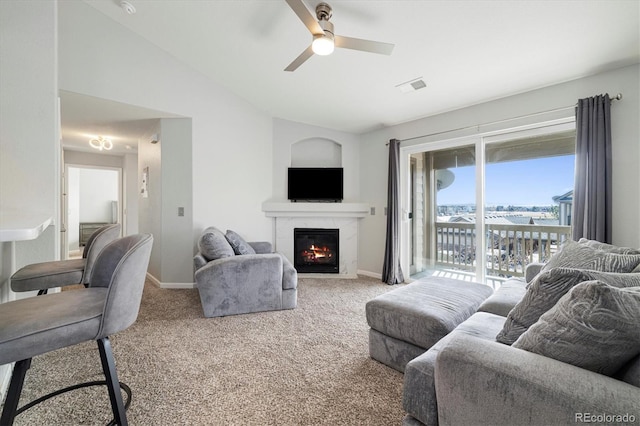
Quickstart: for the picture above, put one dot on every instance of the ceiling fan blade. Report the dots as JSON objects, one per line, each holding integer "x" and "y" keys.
{"x": 308, "y": 52}
{"x": 364, "y": 45}
{"x": 305, "y": 16}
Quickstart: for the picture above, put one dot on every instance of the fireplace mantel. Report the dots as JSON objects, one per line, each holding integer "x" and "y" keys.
{"x": 343, "y": 216}
{"x": 304, "y": 209}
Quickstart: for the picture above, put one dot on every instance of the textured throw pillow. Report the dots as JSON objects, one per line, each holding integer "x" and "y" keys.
{"x": 546, "y": 289}
{"x": 594, "y": 326}
{"x": 213, "y": 245}
{"x": 581, "y": 256}
{"x": 239, "y": 245}
{"x": 609, "y": 248}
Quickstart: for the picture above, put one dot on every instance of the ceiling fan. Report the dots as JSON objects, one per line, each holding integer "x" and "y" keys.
{"x": 324, "y": 38}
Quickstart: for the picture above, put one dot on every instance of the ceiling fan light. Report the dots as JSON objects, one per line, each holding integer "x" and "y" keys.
{"x": 322, "y": 45}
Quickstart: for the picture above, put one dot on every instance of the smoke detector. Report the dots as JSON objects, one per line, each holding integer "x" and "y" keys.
{"x": 127, "y": 7}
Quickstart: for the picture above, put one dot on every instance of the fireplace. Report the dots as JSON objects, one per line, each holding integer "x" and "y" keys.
{"x": 316, "y": 250}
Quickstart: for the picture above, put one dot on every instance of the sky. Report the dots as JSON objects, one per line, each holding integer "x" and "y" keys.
{"x": 518, "y": 183}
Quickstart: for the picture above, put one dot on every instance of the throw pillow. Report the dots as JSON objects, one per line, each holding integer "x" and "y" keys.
{"x": 608, "y": 247}
{"x": 594, "y": 326}
{"x": 213, "y": 245}
{"x": 581, "y": 256}
{"x": 239, "y": 245}
{"x": 546, "y": 289}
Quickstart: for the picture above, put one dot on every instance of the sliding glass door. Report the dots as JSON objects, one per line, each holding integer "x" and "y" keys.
{"x": 484, "y": 207}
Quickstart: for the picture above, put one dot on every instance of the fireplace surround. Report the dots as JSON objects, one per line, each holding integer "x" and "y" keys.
{"x": 343, "y": 216}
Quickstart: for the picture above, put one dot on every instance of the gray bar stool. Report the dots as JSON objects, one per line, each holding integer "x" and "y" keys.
{"x": 59, "y": 273}
{"x": 37, "y": 325}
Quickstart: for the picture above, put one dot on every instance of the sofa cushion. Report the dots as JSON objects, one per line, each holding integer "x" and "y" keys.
{"x": 239, "y": 245}
{"x": 609, "y": 248}
{"x": 594, "y": 326}
{"x": 213, "y": 244}
{"x": 583, "y": 256}
{"x": 505, "y": 298}
{"x": 544, "y": 292}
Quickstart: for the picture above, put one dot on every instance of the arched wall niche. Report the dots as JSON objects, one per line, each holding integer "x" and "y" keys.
{"x": 316, "y": 152}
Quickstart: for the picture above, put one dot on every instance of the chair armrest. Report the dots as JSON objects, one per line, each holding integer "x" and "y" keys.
{"x": 262, "y": 247}
{"x": 485, "y": 382}
{"x": 240, "y": 270}
{"x": 532, "y": 270}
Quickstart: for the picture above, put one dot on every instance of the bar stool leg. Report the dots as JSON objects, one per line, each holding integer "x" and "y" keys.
{"x": 109, "y": 368}
{"x": 13, "y": 394}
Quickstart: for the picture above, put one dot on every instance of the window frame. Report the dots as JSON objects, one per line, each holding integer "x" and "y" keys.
{"x": 480, "y": 140}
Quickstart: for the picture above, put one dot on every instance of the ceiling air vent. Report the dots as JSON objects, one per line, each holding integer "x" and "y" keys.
{"x": 412, "y": 85}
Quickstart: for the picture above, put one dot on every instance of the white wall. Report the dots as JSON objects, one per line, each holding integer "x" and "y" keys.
{"x": 231, "y": 138}
{"x": 286, "y": 133}
{"x": 73, "y": 208}
{"x": 177, "y": 263}
{"x": 167, "y": 164}
{"x": 625, "y": 134}
{"x": 150, "y": 206}
{"x": 98, "y": 189}
{"x": 130, "y": 190}
{"x": 90, "y": 159}
{"x": 29, "y": 146}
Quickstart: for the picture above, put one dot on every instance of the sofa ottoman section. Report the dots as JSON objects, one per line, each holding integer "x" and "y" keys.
{"x": 407, "y": 321}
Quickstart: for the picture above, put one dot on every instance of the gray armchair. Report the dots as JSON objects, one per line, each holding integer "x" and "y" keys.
{"x": 231, "y": 284}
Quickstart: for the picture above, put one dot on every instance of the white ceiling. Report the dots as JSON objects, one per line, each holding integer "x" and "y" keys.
{"x": 467, "y": 52}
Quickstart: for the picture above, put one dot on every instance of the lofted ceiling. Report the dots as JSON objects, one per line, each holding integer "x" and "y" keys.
{"x": 467, "y": 52}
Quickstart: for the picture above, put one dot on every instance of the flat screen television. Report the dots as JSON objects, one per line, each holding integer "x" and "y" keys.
{"x": 315, "y": 184}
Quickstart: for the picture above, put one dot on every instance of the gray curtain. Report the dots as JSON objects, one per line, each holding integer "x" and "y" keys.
{"x": 592, "y": 209}
{"x": 391, "y": 271}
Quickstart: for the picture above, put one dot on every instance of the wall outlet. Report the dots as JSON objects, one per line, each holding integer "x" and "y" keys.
{"x": 373, "y": 211}
{"x": 385, "y": 211}
{"x": 180, "y": 211}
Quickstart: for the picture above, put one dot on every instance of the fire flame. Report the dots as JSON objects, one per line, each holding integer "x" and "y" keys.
{"x": 316, "y": 254}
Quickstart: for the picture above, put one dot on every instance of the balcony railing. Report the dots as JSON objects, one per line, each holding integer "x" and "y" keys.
{"x": 510, "y": 248}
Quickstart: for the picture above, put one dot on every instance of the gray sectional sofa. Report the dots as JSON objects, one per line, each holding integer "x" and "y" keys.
{"x": 559, "y": 347}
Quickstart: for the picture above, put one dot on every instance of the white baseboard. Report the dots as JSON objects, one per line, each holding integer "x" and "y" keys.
{"x": 370, "y": 274}
{"x": 160, "y": 284}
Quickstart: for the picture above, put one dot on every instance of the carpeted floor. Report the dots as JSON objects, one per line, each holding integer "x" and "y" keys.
{"x": 307, "y": 366}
